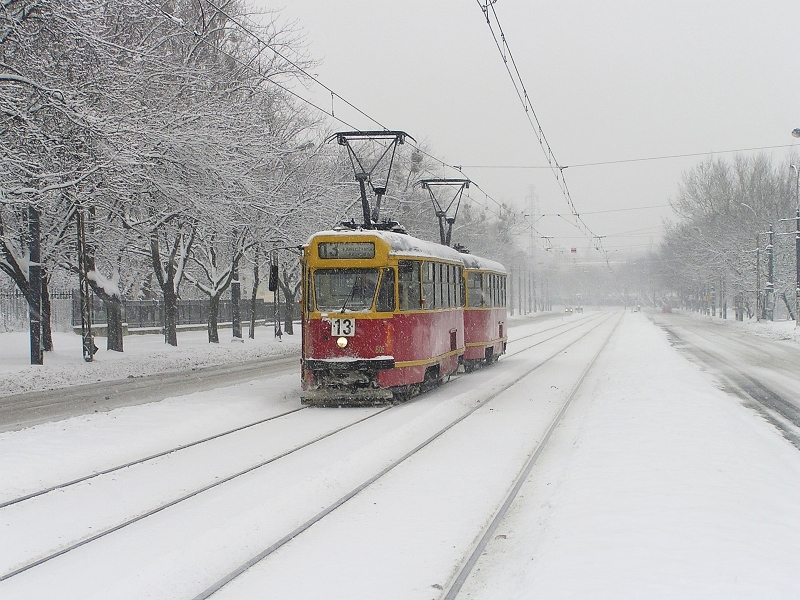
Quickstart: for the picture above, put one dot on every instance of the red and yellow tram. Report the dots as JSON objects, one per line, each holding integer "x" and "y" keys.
{"x": 485, "y": 311}
{"x": 384, "y": 316}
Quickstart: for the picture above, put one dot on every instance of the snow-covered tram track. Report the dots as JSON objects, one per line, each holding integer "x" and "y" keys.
{"x": 148, "y": 458}
{"x": 466, "y": 568}
{"x": 156, "y": 455}
{"x": 479, "y": 404}
{"x": 195, "y": 492}
{"x": 81, "y": 541}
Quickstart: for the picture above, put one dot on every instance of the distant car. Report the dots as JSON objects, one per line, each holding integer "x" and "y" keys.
{"x": 568, "y": 310}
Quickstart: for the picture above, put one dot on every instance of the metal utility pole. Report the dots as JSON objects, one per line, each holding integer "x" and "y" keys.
{"x": 236, "y": 311}
{"x": 86, "y": 307}
{"x": 758, "y": 280}
{"x": 796, "y": 133}
{"x": 274, "y": 287}
{"x": 252, "y": 332}
{"x": 35, "y": 283}
{"x": 236, "y": 292}
{"x": 797, "y": 266}
{"x": 769, "y": 309}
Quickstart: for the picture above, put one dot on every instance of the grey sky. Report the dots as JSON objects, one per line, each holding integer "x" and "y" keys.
{"x": 609, "y": 81}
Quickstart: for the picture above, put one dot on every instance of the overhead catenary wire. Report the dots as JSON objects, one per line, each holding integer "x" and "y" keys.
{"x": 249, "y": 66}
{"x": 240, "y": 23}
{"x": 631, "y": 160}
{"x": 519, "y": 87}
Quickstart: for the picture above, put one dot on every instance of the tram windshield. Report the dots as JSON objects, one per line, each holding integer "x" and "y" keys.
{"x": 345, "y": 289}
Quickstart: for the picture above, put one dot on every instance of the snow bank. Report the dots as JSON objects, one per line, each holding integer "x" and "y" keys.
{"x": 776, "y": 330}
{"x": 144, "y": 355}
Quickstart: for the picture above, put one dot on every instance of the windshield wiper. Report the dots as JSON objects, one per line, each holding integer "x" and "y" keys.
{"x": 350, "y": 297}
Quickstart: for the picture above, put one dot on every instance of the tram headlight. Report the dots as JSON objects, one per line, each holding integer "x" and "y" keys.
{"x": 342, "y": 342}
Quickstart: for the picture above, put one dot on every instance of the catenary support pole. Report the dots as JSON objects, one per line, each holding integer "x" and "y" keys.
{"x": 85, "y": 299}
{"x": 769, "y": 309}
{"x": 797, "y": 267}
{"x": 35, "y": 283}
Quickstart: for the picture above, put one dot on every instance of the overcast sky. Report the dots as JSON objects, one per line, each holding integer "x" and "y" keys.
{"x": 608, "y": 81}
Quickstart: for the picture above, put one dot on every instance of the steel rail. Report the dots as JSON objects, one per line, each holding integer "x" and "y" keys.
{"x": 183, "y": 498}
{"x": 150, "y": 457}
{"x": 240, "y": 473}
{"x": 211, "y": 590}
{"x": 458, "y": 581}
{"x": 61, "y": 486}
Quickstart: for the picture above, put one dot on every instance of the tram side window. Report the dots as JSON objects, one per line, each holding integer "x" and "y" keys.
{"x": 460, "y": 292}
{"x": 503, "y": 290}
{"x": 308, "y": 291}
{"x": 385, "y": 300}
{"x": 441, "y": 285}
{"x": 451, "y": 292}
{"x": 474, "y": 290}
{"x": 490, "y": 291}
{"x": 408, "y": 276}
{"x": 428, "y": 301}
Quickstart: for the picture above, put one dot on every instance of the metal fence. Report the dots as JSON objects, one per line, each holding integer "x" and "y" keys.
{"x": 138, "y": 314}
{"x": 14, "y": 310}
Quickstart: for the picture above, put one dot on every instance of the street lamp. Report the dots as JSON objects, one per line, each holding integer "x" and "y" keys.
{"x": 796, "y": 133}
{"x": 758, "y": 267}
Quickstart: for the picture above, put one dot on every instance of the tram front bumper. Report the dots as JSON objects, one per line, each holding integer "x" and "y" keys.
{"x": 349, "y": 382}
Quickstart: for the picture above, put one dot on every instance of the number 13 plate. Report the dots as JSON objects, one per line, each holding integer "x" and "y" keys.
{"x": 343, "y": 327}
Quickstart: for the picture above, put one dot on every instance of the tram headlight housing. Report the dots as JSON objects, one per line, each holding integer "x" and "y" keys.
{"x": 342, "y": 342}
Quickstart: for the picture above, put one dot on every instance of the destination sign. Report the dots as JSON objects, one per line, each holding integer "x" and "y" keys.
{"x": 346, "y": 250}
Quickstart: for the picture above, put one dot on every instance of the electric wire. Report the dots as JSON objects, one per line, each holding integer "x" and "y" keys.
{"x": 522, "y": 93}
{"x": 240, "y": 24}
{"x": 631, "y": 160}
{"x": 247, "y": 65}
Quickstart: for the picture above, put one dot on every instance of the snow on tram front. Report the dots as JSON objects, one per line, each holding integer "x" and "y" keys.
{"x": 382, "y": 316}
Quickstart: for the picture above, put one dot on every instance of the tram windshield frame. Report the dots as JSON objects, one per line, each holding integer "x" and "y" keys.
{"x": 345, "y": 289}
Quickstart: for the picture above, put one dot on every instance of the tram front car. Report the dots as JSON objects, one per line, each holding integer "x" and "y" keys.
{"x": 382, "y": 316}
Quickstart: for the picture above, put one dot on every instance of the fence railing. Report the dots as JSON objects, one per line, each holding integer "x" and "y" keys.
{"x": 138, "y": 314}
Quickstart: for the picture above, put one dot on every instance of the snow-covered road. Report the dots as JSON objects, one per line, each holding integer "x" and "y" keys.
{"x": 656, "y": 484}
{"x": 764, "y": 372}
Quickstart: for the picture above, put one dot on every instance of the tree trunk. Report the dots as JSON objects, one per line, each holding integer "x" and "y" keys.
{"x": 288, "y": 313}
{"x": 47, "y": 328}
{"x": 289, "y": 295}
{"x": 171, "y": 318}
{"x": 213, "y": 317}
{"x": 114, "y": 324}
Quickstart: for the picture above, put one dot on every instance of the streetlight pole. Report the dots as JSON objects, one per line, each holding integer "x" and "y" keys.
{"x": 796, "y": 133}
{"x": 770, "y": 299}
{"x": 758, "y": 268}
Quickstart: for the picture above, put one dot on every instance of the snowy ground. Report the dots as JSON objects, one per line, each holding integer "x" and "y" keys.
{"x": 776, "y": 330}
{"x": 657, "y": 484}
{"x": 144, "y": 355}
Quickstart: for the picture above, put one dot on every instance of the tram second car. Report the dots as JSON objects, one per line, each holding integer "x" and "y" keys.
{"x": 386, "y": 315}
